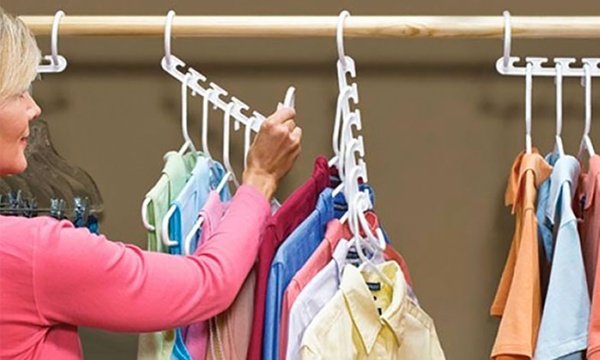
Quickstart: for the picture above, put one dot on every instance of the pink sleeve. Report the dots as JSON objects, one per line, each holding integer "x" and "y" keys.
{"x": 84, "y": 279}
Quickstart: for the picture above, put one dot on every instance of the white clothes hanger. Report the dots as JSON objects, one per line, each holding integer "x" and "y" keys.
{"x": 187, "y": 144}
{"x": 353, "y": 120}
{"x": 558, "y": 144}
{"x": 356, "y": 206}
{"x": 184, "y": 114}
{"x": 230, "y": 175}
{"x": 173, "y": 65}
{"x": 345, "y": 64}
{"x": 354, "y": 169}
{"x": 165, "y": 221}
{"x": 528, "y": 100}
{"x": 58, "y": 63}
{"x": 205, "y": 104}
{"x": 586, "y": 141}
{"x": 341, "y": 112}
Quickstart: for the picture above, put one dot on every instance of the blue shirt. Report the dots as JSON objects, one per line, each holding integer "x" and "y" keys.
{"x": 545, "y": 225}
{"x": 565, "y": 317}
{"x": 205, "y": 176}
{"x": 290, "y": 257}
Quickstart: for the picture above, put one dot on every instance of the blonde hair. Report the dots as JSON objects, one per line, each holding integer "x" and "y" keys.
{"x": 19, "y": 56}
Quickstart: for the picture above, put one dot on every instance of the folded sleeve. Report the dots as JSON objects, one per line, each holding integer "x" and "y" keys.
{"x": 86, "y": 280}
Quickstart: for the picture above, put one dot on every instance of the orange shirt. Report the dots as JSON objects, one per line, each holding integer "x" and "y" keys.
{"x": 518, "y": 299}
{"x": 590, "y": 236}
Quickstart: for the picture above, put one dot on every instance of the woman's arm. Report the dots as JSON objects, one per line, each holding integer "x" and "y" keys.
{"x": 84, "y": 279}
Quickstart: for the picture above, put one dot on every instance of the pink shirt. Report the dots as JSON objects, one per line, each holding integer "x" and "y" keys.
{"x": 196, "y": 340}
{"x": 54, "y": 278}
{"x": 590, "y": 235}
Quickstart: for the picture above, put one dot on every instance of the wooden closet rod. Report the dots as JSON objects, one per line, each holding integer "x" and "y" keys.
{"x": 485, "y": 27}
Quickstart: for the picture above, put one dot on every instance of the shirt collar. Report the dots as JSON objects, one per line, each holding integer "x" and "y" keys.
{"x": 362, "y": 308}
{"x": 565, "y": 170}
{"x": 524, "y": 163}
{"x": 591, "y": 180}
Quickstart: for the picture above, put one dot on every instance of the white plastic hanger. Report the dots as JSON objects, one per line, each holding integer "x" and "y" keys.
{"x": 345, "y": 64}
{"x": 187, "y": 144}
{"x": 358, "y": 204}
{"x": 341, "y": 112}
{"x": 58, "y": 63}
{"x": 230, "y": 175}
{"x": 165, "y": 221}
{"x": 184, "y": 117}
{"x": 354, "y": 169}
{"x": 145, "y": 221}
{"x": 586, "y": 141}
{"x": 205, "y": 105}
{"x": 353, "y": 120}
{"x": 528, "y": 100}
{"x": 558, "y": 144}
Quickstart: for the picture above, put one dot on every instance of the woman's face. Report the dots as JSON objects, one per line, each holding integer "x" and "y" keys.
{"x": 15, "y": 114}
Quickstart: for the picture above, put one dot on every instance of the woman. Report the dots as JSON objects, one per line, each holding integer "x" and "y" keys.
{"x": 54, "y": 277}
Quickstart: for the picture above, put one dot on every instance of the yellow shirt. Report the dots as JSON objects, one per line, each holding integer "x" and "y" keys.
{"x": 350, "y": 325}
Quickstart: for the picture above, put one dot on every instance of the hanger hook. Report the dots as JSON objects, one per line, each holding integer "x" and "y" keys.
{"x": 528, "y": 100}
{"x": 184, "y": 125}
{"x": 205, "y": 106}
{"x": 507, "y": 37}
{"x": 559, "y": 81}
{"x": 588, "y": 98}
{"x": 168, "y": 26}
{"x": 340, "y": 36}
{"x": 59, "y": 14}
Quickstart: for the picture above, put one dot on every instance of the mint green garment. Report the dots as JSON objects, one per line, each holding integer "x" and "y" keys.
{"x": 175, "y": 174}
{"x": 177, "y": 170}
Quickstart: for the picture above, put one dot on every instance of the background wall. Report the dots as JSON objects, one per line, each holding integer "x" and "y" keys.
{"x": 441, "y": 130}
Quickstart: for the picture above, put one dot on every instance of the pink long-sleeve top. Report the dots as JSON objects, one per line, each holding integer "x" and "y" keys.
{"x": 54, "y": 277}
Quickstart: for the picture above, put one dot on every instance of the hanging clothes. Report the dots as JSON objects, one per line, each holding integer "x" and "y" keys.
{"x": 176, "y": 171}
{"x": 196, "y": 340}
{"x": 319, "y": 259}
{"x": 565, "y": 316}
{"x": 589, "y": 195}
{"x": 290, "y": 258}
{"x": 368, "y": 319}
{"x": 229, "y": 332}
{"x": 291, "y": 213}
{"x": 320, "y": 266}
{"x": 518, "y": 298}
{"x": 205, "y": 176}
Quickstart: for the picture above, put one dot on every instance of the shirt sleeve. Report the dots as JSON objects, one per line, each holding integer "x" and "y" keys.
{"x": 84, "y": 279}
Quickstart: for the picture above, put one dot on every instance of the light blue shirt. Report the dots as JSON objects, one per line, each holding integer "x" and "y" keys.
{"x": 204, "y": 177}
{"x": 545, "y": 236}
{"x": 290, "y": 257}
{"x": 565, "y": 318}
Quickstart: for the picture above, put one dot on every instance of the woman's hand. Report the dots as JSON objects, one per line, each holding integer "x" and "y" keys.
{"x": 273, "y": 152}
